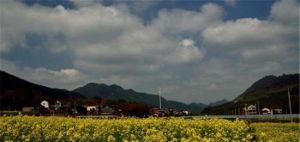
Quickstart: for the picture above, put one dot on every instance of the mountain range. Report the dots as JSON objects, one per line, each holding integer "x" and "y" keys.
{"x": 115, "y": 92}
{"x": 16, "y": 93}
{"x": 270, "y": 92}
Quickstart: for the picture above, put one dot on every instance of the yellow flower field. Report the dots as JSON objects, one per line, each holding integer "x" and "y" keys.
{"x": 277, "y": 132}
{"x": 27, "y": 128}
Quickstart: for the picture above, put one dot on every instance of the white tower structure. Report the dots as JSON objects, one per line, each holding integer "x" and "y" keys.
{"x": 159, "y": 97}
{"x": 289, "y": 96}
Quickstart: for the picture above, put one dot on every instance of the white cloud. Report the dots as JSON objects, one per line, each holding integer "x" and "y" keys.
{"x": 179, "y": 21}
{"x": 286, "y": 12}
{"x": 87, "y": 24}
{"x": 52, "y": 78}
{"x": 246, "y": 33}
{"x": 63, "y": 76}
{"x": 271, "y": 53}
{"x": 106, "y": 41}
{"x": 248, "y": 49}
{"x": 194, "y": 55}
{"x": 230, "y": 2}
{"x": 186, "y": 52}
{"x": 258, "y": 40}
{"x": 187, "y": 43}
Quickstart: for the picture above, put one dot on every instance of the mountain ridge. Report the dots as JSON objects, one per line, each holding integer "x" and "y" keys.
{"x": 269, "y": 91}
{"x": 17, "y": 93}
{"x": 115, "y": 92}
{"x": 14, "y": 90}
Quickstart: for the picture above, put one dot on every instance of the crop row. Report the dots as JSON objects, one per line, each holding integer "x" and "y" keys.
{"x": 27, "y": 128}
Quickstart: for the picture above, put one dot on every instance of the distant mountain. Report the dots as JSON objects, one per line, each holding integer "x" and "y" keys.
{"x": 16, "y": 93}
{"x": 217, "y": 103}
{"x": 115, "y": 92}
{"x": 271, "y": 86}
{"x": 270, "y": 92}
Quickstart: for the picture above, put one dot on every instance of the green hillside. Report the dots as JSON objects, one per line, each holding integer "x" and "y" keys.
{"x": 270, "y": 92}
{"x": 115, "y": 92}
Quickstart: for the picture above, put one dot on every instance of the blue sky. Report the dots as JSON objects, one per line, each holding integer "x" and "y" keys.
{"x": 239, "y": 9}
{"x": 195, "y": 50}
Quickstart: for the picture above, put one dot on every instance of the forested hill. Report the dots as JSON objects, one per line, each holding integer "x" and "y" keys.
{"x": 17, "y": 93}
{"x": 270, "y": 91}
{"x": 115, "y": 92}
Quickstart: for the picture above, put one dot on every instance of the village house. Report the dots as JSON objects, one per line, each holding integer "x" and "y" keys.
{"x": 251, "y": 109}
{"x": 271, "y": 111}
{"x": 266, "y": 111}
{"x": 45, "y": 104}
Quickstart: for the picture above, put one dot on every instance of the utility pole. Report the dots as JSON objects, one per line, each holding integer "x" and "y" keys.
{"x": 289, "y": 96}
{"x": 159, "y": 97}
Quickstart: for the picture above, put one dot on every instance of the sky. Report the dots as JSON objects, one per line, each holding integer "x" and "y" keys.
{"x": 194, "y": 50}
